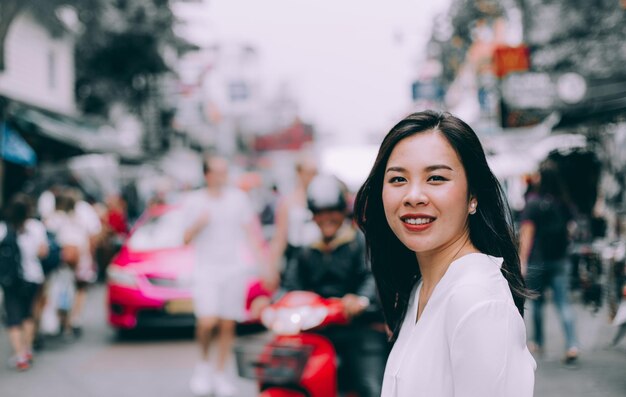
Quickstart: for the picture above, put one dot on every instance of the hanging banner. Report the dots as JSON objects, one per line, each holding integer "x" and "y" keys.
{"x": 15, "y": 149}
{"x": 511, "y": 59}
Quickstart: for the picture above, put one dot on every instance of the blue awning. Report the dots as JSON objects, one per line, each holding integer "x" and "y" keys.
{"x": 15, "y": 149}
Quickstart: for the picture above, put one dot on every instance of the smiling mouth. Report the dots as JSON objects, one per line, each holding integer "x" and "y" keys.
{"x": 417, "y": 221}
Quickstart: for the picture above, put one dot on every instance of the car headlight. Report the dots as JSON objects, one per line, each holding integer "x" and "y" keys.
{"x": 120, "y": 276}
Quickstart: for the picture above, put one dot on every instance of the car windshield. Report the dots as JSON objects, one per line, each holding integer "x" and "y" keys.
{"x": 162, "y": 231}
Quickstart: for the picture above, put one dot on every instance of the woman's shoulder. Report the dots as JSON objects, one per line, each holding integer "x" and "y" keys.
{"x": 476, "y": 269}
{"x": 478, "y": 281}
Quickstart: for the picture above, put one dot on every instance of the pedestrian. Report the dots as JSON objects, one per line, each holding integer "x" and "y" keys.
{"x": 294, "y": 227}
{"x": 76, "y": 226}
{"x": 20, "y": 297}
{"x": 223, "y": 228}
{"x": 544, "y": 241}
{"x": 335, "y": 266}
{"x": 445, "y": 261}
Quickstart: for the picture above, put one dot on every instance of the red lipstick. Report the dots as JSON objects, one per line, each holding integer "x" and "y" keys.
{"x": 417, "y": 227}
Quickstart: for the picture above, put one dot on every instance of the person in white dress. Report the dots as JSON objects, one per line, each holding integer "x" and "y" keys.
{"x": 222, "y": 227}
{"x": 445, "y": 261}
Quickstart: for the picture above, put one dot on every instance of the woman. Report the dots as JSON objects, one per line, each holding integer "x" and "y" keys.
{"x": 19, "y": 302}
{"x": 445, "y": 262}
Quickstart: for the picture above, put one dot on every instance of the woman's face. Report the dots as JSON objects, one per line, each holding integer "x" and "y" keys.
{"x": 425, "y": 193}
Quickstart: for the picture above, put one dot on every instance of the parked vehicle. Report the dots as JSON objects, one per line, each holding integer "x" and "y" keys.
{"x": 148, "y": 281}
{"x": 295, "y": 362}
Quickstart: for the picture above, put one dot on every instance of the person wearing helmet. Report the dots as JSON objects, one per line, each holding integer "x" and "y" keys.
{"x": 334, "y": 266}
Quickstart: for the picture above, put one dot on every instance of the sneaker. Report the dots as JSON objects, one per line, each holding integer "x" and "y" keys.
{"x": 77, "y": 332}
{"x": 224, "y": 387}
{"x": 18, "y": 363}
{"x": 200, "y": 383}
{"x": 571, "y": 358}
{"x": 29, "y": 357}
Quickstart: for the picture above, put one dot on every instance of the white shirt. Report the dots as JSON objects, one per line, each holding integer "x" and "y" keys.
{"x": 73, "y": 230}
{"x": 470, "y": 340}
{"x": 30, "y": 241}
{"x": 221, "y": 246}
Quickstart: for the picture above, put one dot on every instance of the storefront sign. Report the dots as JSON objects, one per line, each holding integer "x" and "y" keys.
{"x": 511, "y": 59}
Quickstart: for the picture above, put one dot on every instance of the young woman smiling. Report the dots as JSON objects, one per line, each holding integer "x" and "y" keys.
{"x": 444, "y": 257}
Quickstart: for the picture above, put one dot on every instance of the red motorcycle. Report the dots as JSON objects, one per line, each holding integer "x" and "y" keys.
{"x": 295, "y": 362}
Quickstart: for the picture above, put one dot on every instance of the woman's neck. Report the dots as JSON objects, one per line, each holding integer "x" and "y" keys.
{"x": 433, "y": 265}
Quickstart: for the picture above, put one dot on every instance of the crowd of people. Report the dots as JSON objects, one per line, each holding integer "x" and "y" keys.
{"x": 59, "y": 244}
{"x": 426, "y": 261}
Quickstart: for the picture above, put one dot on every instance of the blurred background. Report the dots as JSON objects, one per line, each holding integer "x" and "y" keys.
{"x": 120, "y": 99}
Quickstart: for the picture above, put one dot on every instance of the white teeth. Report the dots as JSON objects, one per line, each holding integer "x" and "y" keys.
{"x": 417, "y": 221}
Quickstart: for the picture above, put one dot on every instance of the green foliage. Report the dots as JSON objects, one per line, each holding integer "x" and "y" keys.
{"x": 118, "y": 47}
{"x": 585, "y": 36}
{"x": 119, "y": 50}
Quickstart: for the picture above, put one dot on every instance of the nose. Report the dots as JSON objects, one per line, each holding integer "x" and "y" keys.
{"x": 415, "y": 195}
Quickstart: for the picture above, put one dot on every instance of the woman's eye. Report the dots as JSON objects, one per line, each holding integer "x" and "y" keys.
{"x": 396, "y": 179}
{"x": 437, "y": 178}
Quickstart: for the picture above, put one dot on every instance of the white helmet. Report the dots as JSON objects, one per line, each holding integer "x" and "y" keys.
{"x": 326, "y": 192}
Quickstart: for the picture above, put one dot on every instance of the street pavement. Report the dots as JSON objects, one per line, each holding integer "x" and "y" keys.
{"x": 160, "y": 363}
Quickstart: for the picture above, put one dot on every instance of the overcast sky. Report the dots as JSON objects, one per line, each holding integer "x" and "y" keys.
{"x": 349, "y": 62}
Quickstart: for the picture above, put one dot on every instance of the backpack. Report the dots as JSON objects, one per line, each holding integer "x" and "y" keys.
{"x": 552, "y": 237}
{"x": 53, "y": 260}
{"x": 11, "y": 275}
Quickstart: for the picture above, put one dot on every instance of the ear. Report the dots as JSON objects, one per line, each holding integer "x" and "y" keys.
{"x": 473, "y": 204}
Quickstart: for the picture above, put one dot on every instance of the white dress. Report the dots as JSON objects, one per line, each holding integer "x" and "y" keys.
{"x": 470, "y": 340}
{"x": 220, "y": 274}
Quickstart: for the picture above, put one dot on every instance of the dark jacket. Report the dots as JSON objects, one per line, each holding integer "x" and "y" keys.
{"x": 335, "y": 269}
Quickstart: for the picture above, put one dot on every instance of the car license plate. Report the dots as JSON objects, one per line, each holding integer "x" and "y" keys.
{"x": 179, "y": 306}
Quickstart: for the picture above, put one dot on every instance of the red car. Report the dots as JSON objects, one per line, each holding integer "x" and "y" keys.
{"x": 149, "y": 281}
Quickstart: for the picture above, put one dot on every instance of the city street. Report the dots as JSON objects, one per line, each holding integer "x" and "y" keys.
{"x": 160, "y": 364}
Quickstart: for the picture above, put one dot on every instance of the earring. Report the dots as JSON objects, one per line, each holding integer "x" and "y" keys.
{"x": 473, "y": 210}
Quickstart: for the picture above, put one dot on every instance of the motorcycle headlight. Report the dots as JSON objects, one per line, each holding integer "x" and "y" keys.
{"x": 313, "y": 316}
{"x": 120, "y": 276}
{"x": 290, "y": 321}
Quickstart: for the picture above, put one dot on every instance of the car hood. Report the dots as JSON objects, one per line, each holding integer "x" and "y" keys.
{"x": 168, "y": 262}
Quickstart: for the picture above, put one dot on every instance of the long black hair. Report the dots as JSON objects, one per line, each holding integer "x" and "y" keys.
{"x": 490, "y": 230}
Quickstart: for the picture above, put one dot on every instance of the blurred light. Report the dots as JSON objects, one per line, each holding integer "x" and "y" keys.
{"x": 571, "y": 87}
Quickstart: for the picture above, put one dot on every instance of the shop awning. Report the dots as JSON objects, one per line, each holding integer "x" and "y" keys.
{"x": 15, "y": 149}
{"x": 82, "y": 133}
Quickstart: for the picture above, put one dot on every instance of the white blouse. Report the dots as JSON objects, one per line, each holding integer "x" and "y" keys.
{"x": 470, "y": 340}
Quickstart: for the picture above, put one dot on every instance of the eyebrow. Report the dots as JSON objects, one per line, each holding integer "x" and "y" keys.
{"x": 430, "y": 168}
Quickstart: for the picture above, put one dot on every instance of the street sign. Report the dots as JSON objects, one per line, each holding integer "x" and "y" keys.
{"x": 529, "y": 91}
{"x": 571, "y": 87}
{"x": 511, "y": 59}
